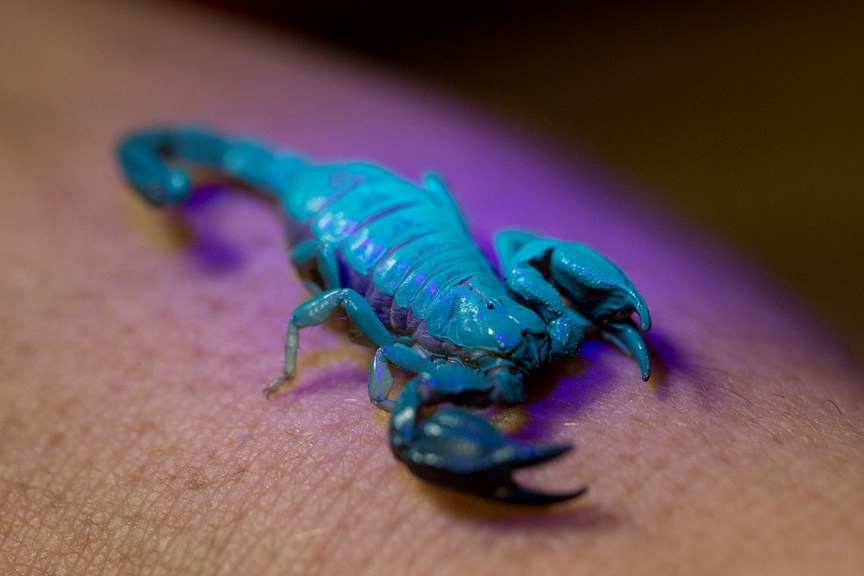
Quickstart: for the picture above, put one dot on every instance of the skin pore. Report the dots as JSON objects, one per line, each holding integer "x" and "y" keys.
{"x": 134, "y": 437}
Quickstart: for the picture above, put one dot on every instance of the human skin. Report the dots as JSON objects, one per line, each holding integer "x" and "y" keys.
{"x": 134, "y": 437}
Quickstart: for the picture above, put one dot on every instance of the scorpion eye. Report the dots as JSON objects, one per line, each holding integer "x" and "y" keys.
{"x": 490, "y": 306}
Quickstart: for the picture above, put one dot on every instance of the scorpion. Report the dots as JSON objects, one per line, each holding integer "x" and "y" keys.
{"x": 399, "y": 259}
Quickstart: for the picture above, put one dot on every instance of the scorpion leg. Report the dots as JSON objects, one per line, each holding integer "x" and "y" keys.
{"x": 312, "y": 258}
{"x": 380, "y": 377}
{"x": 538, "y": 271}
{"x": 434, "y": 184}
{"x": 315, "y": 311}
{"x": 458, "y": 449}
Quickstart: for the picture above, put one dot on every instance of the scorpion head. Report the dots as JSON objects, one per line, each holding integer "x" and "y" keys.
{"x": 491, "y": 323}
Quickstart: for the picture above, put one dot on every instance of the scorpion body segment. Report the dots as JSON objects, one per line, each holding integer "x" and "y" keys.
{"x": 397, "y": 257}
{"x": 404, "y": 253}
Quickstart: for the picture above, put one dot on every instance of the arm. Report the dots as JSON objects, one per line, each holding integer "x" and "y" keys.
{"x": 134, "y": 435}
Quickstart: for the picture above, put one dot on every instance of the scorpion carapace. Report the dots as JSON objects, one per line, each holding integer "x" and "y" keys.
{"x": 397, "y": 257}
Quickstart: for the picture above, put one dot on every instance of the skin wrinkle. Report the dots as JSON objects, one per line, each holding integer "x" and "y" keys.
{"x": 409, "y": 547}
{"x": 332, "y": 462}
{"x": 231, "y": 517}
{"x": 198, "y": 483}
{"x": 342, "y": 551}
{"x": 21, "y": 521}
{"x": 132, "y": 517}
{"x": 117, "y": 518}
{"x": 81, "y": 538}
{"x": 329, "y": 544}
{"x": 130, "y": 500}
{"x": 39, "y": 528}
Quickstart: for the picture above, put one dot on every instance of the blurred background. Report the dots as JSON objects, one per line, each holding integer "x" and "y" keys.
{"x": 745, "y": 115}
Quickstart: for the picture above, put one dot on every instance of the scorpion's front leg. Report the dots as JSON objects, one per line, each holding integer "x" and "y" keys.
{"x": 315, "y": 311}
{"x": 459, "y": 449}
{"x": 538, "y": 271}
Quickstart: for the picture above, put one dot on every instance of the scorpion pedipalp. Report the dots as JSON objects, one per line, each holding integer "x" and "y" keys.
{"x": 459, "y": 449}
{"x": 542, "y": 272}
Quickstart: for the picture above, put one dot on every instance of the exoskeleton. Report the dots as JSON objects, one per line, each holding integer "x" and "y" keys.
{"x": 397, "y": 257}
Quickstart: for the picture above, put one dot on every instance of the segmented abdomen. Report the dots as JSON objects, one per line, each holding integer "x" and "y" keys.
{"x": 399, "y": 245}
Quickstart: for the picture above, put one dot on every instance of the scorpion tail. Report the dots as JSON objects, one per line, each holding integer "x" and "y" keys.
{"x": 461, "y": 450}
{"x": 146, "y": 158}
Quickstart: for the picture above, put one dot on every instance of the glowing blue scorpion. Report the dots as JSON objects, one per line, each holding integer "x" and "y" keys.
{"x": 399, "y": 260}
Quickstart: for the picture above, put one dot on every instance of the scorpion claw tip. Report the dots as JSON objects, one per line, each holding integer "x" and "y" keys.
{"x": 644, "y": 317}
{"x": 645, "y": 367}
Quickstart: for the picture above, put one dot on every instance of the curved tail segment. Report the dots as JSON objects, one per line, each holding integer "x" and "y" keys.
{"x": 156, "y": 161}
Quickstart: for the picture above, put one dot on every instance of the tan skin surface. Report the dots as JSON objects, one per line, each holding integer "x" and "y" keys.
{"x": 133, "y": 435}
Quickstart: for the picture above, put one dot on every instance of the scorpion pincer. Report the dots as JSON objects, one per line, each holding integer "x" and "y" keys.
{"x": 397, "y": 257}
